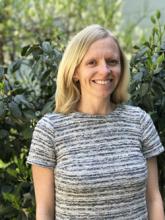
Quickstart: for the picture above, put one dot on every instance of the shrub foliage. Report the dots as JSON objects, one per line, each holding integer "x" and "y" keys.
{"x": 148, "y": 83}
{"x": 27, "y": 90}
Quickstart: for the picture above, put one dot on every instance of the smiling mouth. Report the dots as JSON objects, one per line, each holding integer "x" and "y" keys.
{"x": 102, "y": 82}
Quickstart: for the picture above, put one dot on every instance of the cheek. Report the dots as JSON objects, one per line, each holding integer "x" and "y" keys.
{"x": 117, "y": 73}
{"x": 118, "y": 76}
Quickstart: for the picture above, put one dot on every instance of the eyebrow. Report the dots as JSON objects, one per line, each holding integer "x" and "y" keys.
{"x": 113, "y": 57}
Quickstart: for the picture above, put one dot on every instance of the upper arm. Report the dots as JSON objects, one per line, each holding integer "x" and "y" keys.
{"x": 154, "y": 200}
{"x": 152, "y": 180}
{"x": 44, "y": 187}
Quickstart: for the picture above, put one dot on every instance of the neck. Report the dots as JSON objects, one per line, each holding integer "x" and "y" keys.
{"x": 102, "y": 107}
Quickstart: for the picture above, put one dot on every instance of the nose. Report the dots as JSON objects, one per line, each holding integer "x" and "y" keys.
{"x": 104, "y": 68}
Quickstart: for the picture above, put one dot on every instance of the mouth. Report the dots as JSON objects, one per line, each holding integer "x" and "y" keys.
{"x": 102, "y": 82}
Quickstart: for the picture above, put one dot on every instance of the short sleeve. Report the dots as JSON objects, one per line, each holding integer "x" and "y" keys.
{"x": 151, "y": 144}
{"x": 42, "y": 150}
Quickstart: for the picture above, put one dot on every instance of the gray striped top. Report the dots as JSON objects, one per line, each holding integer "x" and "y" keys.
{"x": 99, "y": 162}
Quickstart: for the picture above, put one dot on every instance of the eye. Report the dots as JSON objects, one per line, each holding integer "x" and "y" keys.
{"x": 113, "y": 62}
{"x": 92, "y": 62}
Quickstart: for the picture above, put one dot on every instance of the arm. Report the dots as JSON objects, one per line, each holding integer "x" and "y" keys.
{"x": 154, "y": 200}
{"x": 44, "y": 192}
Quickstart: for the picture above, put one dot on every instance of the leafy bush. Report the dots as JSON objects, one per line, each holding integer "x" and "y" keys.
{"x": 27, "y": 90}
{"x": 25, "y": 22}
{"x": 148, "y": 83}
{"x": 17, "y": 196}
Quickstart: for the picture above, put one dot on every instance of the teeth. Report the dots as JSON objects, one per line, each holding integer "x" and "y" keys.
{"x": 102, "y": 82}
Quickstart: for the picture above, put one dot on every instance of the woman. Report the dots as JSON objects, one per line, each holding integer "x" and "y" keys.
{"x": 95, "y": 157}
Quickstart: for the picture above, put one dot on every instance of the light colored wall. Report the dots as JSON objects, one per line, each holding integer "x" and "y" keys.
{"x": 135, "y": 9}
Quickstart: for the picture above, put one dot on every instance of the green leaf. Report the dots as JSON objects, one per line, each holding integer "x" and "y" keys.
{"x": 138, "y": 77}
{"x": 3, "y": 164}
{"x": 36, "y": 51}
{"x": 48, "y": 107}
{"x": 16, "y": 65}
{"x": 160, "y": 59}
{"x": 155, "y": 30}
{"x": 154, "y": 116}
{"x": 1, "y": 72}
{"x": 45, "y": 74}
{"x": 144, "y": 89}
{"x": 136, "y": 47}
{"x": 20, "y": 99}
{"x": 153, "y": 20}
{"x": 147, "y": 102}
{"x": 158, "y": 84}
{"x": 6, "y": 211}
{"x": 15, "y": 110}
{"x": 29, "y": 114}
{"x": 11, "y": 169}
{"x": 24, "y": 50}
{"x": 27, "y": 133}
{"x": 158, "y": 14}
{"x": 147, "y": 44}
{"x": 161, "y": 123}
{"x": 14, "y": 199}
{"x": 3, "y": 133}
{"x": 2, "y": 109}
{"x": 47, "y": 47}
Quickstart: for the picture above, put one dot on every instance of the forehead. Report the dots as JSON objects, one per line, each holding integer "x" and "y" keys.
{"x": 105, "y": 46}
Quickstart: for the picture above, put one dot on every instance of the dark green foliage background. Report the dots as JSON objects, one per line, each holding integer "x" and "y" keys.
{"x": 27, "y": 87}
{"x": 23, "y": 100}
{"x": 148, "y": 83}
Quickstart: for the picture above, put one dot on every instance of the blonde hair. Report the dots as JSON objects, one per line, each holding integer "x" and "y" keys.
{"x": 67, "y": 91}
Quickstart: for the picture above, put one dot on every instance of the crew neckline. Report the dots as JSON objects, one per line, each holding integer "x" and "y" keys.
{"x": 88, "y": 115}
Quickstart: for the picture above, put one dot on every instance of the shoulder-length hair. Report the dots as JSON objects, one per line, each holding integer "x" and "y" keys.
{"x": 67, "y": 90}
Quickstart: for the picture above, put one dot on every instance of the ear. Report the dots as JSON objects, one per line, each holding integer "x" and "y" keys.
{"x": 76, "y": 76}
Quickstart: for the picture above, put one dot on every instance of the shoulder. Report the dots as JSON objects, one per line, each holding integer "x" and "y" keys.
{"x": 53, "y": 120}
{"x": 132, "y": 111}
{"x": 135, "y": 113}
{"x": 45, "y": 121}
{"x": 131, "y": 108}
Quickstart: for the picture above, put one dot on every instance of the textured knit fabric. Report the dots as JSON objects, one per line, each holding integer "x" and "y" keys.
{"x": 99, "y": 162}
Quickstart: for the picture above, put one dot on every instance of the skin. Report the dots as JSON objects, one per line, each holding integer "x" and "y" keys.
{"x": 98, "y": 74}
{"x": 154, "y": 200}
{"x": 43, "y": 179}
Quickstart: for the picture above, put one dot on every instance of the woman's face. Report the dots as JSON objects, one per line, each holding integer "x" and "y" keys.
{"x": 100, "y": 70}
